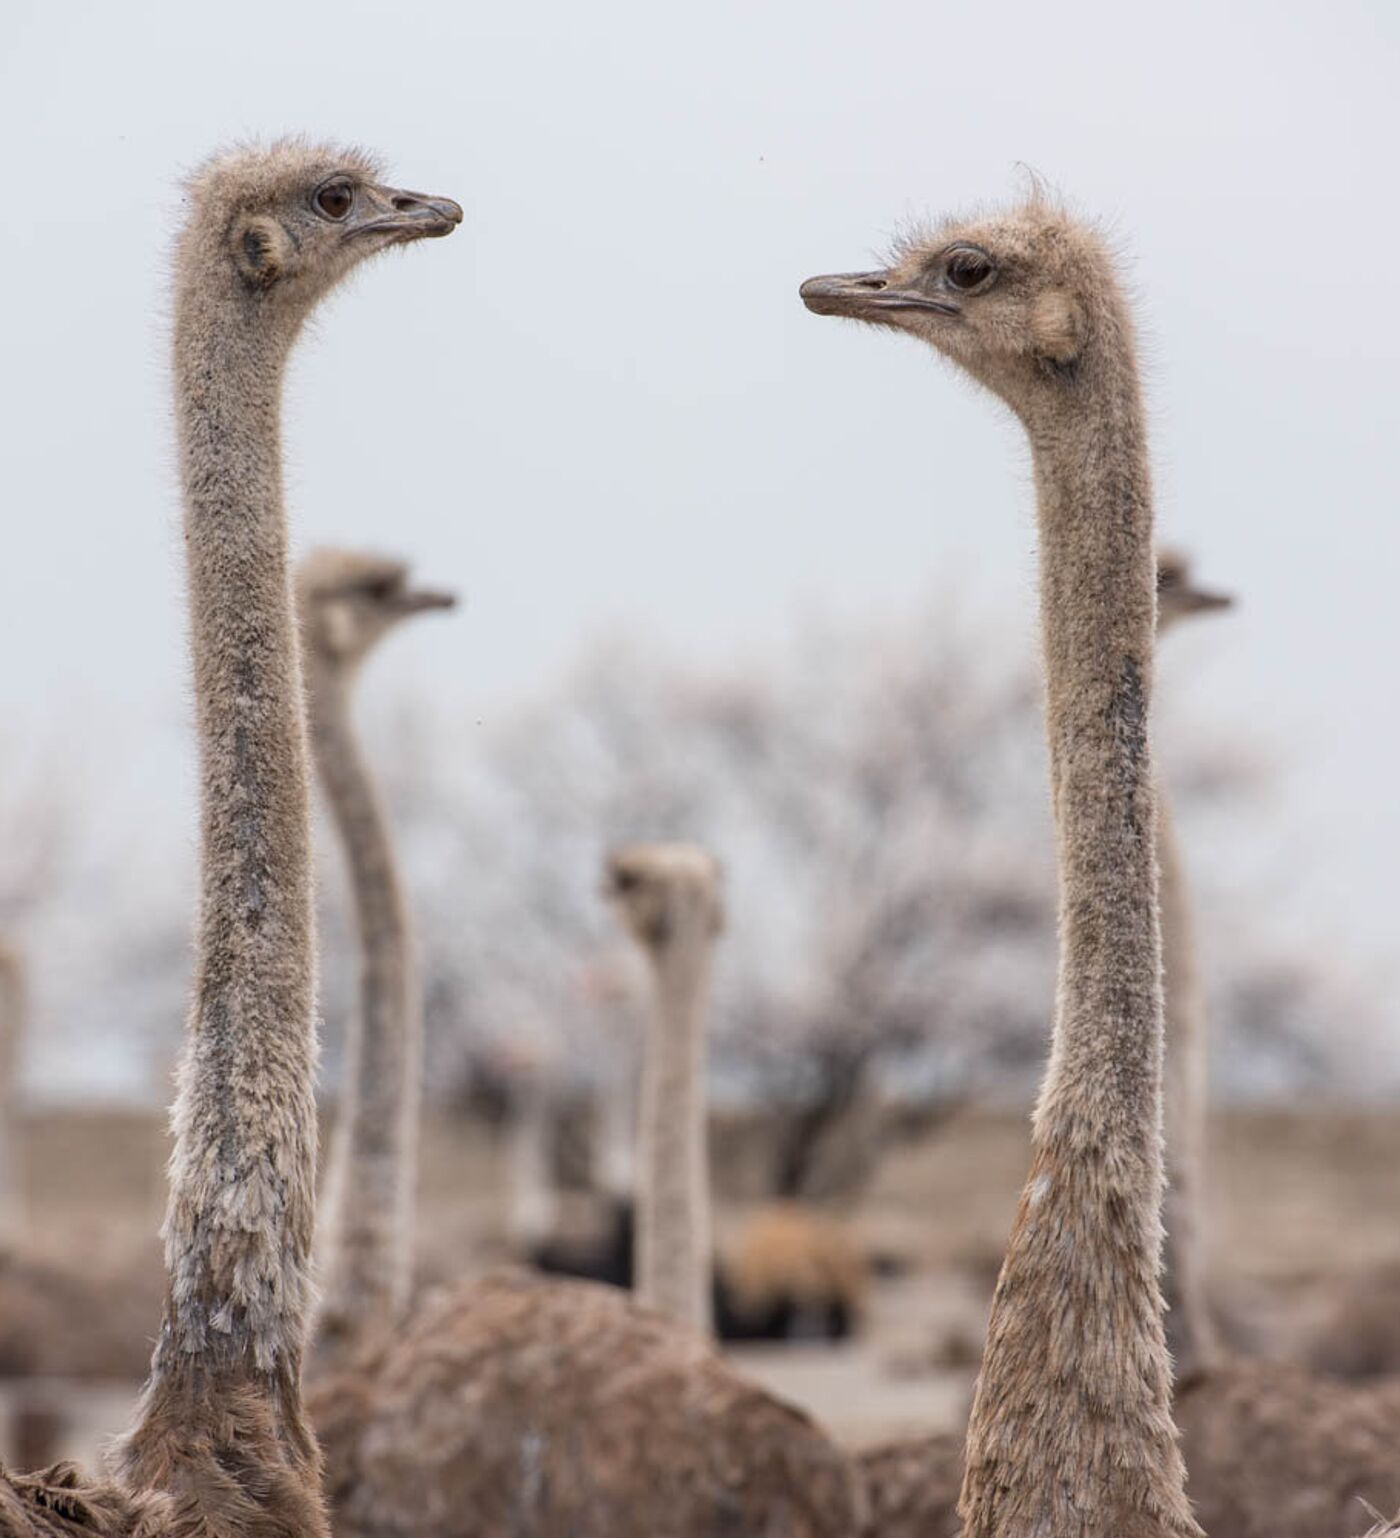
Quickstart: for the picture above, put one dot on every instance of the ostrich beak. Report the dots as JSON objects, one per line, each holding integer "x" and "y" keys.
{"x": 864, "y": 295}
{"x": 419, "y": 600}
{"x": 407, "y": 215}
{"x": 1200, "y": 600}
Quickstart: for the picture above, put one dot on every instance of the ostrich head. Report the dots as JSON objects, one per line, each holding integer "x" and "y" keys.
{"x": 281, "y": 225}
{"x": 1020, "y": 300}
{"x": 350, "y": 600}
{"x": 1178, "y": 595}
{"x": 665, "y": 894}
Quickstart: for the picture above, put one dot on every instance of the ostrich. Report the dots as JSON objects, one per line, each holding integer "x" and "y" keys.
{"x": 519, "y": 1403}
{"x": 1191, "y": 1335}
{"x": 789, "y": 1272}
{"x": 913, "y": 1483}
{"x": 348, "y": 602}
{"x": 220, "y": 1443}
{"x": 1270, "y": 1448}
{"x": 668, "y": 895}
{"x": 1071, "y": 1427}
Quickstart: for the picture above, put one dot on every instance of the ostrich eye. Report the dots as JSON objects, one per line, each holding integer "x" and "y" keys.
{"x": 380, "y": 588}
{"x": 970, "y": 270}
{"x": 335, "y": 200}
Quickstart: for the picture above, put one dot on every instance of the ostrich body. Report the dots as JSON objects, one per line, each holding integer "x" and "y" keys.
{"x": 558, "y": 1409}
{"x": 1270, "y": 1448}
{"x": 348, "y": 601}
{"x": 220, "y": 1443}
{"x": 1071, "y": 1429}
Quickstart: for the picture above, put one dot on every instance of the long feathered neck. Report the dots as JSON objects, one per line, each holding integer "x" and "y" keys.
{"x": 1071, "y": 1429}
{"x": 239, "y": 1222}
{"x": 673, "y": 1199}
{"x": 1191, "y": 1335}
{"x": 366, "y": 1240}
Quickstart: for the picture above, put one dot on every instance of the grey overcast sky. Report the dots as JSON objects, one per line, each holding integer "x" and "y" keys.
{"x": 601, "y": 403}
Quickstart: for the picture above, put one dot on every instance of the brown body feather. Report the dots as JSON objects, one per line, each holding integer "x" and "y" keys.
{"x": 541, "y": 1409}
{"x": 911, "y": 1487}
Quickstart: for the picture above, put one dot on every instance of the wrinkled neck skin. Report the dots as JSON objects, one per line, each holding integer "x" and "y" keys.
{"x": 1070, "y": 1430}
{"x": 673, "y": 1204}
{"x": 365, "y": 1243}
{"x": 225, "y": 1375}
{"x": 1191, "y": 1333}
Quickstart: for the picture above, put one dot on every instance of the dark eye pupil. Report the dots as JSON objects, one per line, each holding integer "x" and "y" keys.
{"x": 968, "y": 271}
{"x": 334, "y": 201}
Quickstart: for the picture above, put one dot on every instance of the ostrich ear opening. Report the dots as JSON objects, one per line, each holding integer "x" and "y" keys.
{"x": 261, "y": 250}
{"x": 1057, "y": 327}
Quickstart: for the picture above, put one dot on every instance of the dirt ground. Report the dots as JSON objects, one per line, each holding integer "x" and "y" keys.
{"x": 1301, "y": 1199}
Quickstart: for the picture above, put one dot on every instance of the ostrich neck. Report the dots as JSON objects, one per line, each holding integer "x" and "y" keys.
{"x": 531, "y": 1186}
{"x": 1071, "y": 1429}
{"x": 615, "y": 1153}
{"x": 366, "y": 1261}
{"x": 239, "y": 1221}
{"x": 13, "y": 1009}
{"x": 1191, "y": 1335}
{"x": 1097, "y": 621}
{"x": 673, "y": 1210}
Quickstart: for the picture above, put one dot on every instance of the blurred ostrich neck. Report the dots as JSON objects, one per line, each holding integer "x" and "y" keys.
{"x": 1191, "y": 1335}
{"x": 239, "y": 1221}
{"x": 366, "y": 1239}
{"x": 616, "y": 1174}
{"x": 532, "y": 1204}
{"x": 1070, "y": 1428}
{"x": 13, "y": 1004}
{"x": 673, "y": 1210}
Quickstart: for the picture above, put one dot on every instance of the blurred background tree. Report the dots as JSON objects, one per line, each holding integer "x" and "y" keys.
{"x": 876, "y": 795}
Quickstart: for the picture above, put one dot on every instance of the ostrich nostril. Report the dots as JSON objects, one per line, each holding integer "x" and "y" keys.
{"x": 873, "y": 281}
